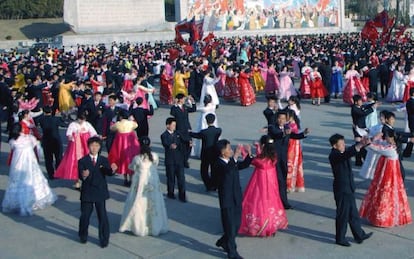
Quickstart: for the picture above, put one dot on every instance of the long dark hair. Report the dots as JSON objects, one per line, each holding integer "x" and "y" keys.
{"x": 145, "y": 147}
{"x": 22, "y": 114}
{"x": 15, "y": 131}
{"x": 268, "y": 148}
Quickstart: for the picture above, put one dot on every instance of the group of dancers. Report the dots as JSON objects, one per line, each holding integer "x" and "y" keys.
{"x": 111, "y": 93}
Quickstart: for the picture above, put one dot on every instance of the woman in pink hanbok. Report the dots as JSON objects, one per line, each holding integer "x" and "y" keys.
{"x": 306, "y": 81}
{"x": 272, "y": 80}
{"x": 353, "y": 86}
{"x": 78, "y": 133}
{"x": 262, "y": 210}
{"x": 287, "y": 89}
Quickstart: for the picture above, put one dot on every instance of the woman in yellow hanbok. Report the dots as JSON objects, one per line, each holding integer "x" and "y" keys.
{"x": 258, "y": 80}
{"x": 19, "y": 82}
{"x": 66, "y": 102}
{"x": 180, "y": 86}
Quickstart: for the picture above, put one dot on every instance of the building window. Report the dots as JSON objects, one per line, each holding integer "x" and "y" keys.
{"x": 170, "y": 10}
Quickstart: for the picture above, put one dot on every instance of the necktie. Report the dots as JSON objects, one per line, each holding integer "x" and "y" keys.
{"x": 94, "y": 161}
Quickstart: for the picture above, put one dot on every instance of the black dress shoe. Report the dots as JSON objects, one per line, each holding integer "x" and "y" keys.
{"x": 221, "y": 244}
{"x": 171, "y": 196}
{"x": 186, "y": 165}
{"x": 343, "y": 243}
{"x": 83, "y": 241}
{"x": 364, "y": 237}
{"x": 288, "y": 207}
{"x": 183, "y": 200}
{"x": 103, "y": 245}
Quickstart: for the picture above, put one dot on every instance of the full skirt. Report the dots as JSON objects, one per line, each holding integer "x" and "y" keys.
{"x": 124, "y": 148}
{"x": 27, "y": 189}
{"x": 386, "y": 203}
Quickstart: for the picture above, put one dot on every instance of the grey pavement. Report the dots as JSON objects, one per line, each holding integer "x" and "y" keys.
{"x": 195, "y": 226}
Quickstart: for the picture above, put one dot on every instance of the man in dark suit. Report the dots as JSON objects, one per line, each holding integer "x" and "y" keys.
{"x": 390, "y": 135}
{"x": 92, "y": 171}
{"x": 384, "y": 76}
{"x": 110, "y": 117}
{"x": 174, "y": 160}
{"x": 344, "y": 189}
{"x": 34, "y": 90}
{"x": 87, "y": 105}
{"x": 271, "y": 111}
{"x": 230, "y": 195}
{"x": 209, "y": 138}
{"x": 410, "y": 117}
{"x": 180, "y": 112}
{"x": 373, "y": 79}
{"x": 358, "y": 114}
{"x": 326, "y": 73}
{"x": 195, "y": 83}
{"x": 140, "y": 115}
{"x": 51, "y": 141}
{"x": 281, "y": 134}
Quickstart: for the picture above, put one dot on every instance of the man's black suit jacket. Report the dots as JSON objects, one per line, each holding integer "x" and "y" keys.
{"x": 94, "y": 187}
{"x": 229, "y": 189}
{"x": 172, "y": 156}
{"x": 410, "y": 113}
{"x": 50, "y": 128}
{"x": 141, "y": 117}
{"x": 281, "y": 140}
{"x": 181, "y": 117}
{"x": 342, "y": 170}
{"x": 209, "y": 138}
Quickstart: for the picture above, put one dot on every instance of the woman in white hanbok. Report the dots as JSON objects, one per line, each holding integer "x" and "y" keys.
{"x": 27, "y": 188}
{"x": 397, "y": 87}
{"x": 144, "y": 211}
{"x": 209, "y": 87}
{"x": 208, "y": 107}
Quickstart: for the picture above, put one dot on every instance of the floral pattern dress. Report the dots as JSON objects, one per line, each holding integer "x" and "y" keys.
{"x": 144, "y": 211}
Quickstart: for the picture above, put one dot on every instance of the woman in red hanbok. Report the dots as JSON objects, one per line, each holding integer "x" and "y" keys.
{"x": 166, "y": 87}
{"x": 125, "y": 146}
{"x": 247, "y": 96}
{"x": 295, "y": 180}
{"x": 318, "y": 90}
{"x": 262, "y": 210}
{"x": 386, "y": 203}
{"x": 231, "y": 88}
{"x": 306, "y": 81}
{"x": 221, "y": 74}
{"x": 128, "y": 85}
{"x": 272, "y": 81}
{"x": 353, "y": 86}
{"x": 365, "y": 78}
{"x": 78, "y": 133}
{"x": 408, "y": 86}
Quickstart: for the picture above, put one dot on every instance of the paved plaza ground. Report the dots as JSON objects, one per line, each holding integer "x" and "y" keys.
{"x": 195, "y": 226}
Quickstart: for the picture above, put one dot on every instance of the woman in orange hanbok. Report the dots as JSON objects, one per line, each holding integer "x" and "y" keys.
{"x": 180, "y": 86}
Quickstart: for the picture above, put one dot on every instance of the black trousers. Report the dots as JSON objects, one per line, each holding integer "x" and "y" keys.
{"x": 109, "y": 140}
{"x": 384, "y": 88}
{"x": 347, "y": 212}
{"x": 52, "y": 150}
{"x": 86, "y": 211}
{"x": 210, "y": 181}
{"x": 231, "y": 220}
{"x": 281, "y": 169}
{"x": 175, "y": 171}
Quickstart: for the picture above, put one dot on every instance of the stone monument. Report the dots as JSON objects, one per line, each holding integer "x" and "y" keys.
{"x": 115, "y": 16}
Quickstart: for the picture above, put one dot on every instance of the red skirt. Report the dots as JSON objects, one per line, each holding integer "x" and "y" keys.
{"x": 68, "y": 167}
{"x": 123, "y": 150}
{"x": 386, "y": 203}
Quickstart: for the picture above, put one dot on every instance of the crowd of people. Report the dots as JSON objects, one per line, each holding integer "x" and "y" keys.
{"x": 106, "y": 96}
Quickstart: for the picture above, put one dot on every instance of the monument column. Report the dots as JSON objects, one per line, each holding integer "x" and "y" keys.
{"x": 341, "y": 10}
